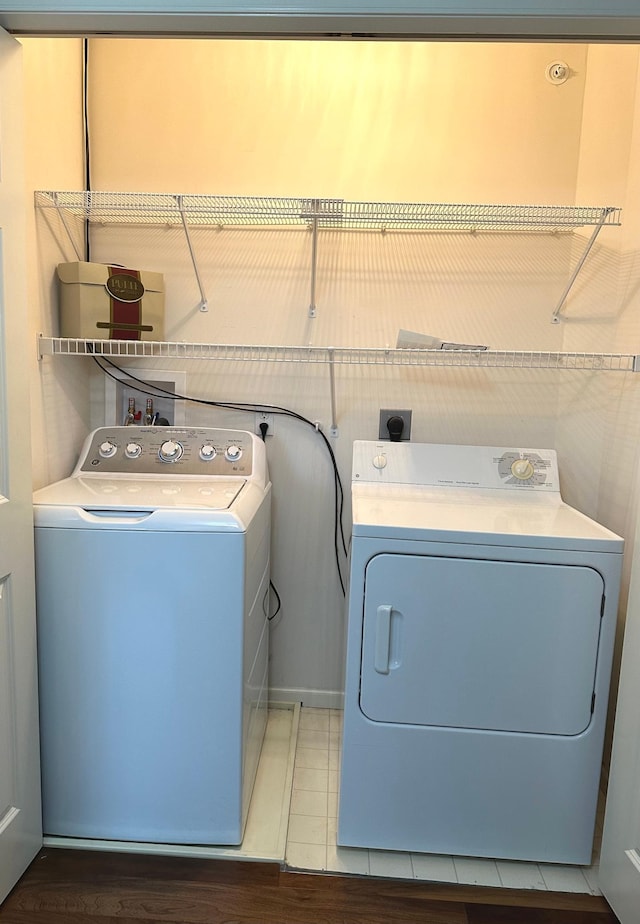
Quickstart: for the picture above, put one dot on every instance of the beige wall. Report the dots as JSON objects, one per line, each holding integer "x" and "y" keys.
{"x": 388, "y": 121}
{"x": 598, "y": 425}
{"x": 602, "y": 312}
{"x": 440, "y": 122}
{"x": 54, "y": 160}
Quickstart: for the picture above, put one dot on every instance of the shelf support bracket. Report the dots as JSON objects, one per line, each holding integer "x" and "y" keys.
{"x": 555, "y": 317}
{"x": 44, "y": 347}
{"x": 314, "y": 265}
{"x": 204, "y": 303}
{"x": 61, "y": 212}
{"x": 332, "y": 385}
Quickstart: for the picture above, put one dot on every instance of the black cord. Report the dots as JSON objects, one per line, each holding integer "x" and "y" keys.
{"x": 272, "y": 586}
{"x": 87, "y": 146}
{"x": 248, "y": 407}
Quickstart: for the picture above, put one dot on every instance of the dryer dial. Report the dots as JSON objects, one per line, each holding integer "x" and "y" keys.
{"x": 233, "y": 453}
{"x": 170, "y": 451}
{"x": 522, "y": 469}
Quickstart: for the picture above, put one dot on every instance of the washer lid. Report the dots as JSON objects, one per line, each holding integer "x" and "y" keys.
{"x": 486, "y": 517}
{"x": 141, "y": 494}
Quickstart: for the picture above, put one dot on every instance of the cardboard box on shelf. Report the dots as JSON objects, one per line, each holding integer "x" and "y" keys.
{"x": 103, "y": 302}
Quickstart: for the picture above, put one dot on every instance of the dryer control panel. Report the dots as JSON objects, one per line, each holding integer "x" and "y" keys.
{"x": 520, "y": 467}
{"x": 446, "y": 466}
{"x": 169, "y": 451}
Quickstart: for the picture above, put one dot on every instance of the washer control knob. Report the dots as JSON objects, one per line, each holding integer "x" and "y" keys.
{"x": 380, "y": 461}
{"x": 233, "y": 453}
{"x": 132, "y": 450}
{"x": 170, "y": 451}
{"x": 522, "y": 469}
{"x": 207, "y": 452}
{"x": 107, "y": 449}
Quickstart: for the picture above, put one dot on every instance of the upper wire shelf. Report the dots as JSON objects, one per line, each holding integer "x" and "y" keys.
{"x": 494, "y": 359}
{"x": 173, "y": 208}
{"x": 185, "y": 210}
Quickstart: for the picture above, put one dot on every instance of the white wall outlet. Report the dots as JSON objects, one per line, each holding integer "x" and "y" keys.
{"x": 262, "y": 417}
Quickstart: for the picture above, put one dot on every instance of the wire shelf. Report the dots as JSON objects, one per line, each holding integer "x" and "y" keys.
{"x": 353, "y": 356}
{"x": 178, "y": 209}
{"x": 174, "y": 208}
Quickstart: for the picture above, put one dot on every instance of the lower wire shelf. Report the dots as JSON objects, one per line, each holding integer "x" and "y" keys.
{"x": 338, "y": 356}
{"x": 371, "y": 356}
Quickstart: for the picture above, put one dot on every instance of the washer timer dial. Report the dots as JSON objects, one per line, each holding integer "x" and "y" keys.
{"x": 170, "y": 451}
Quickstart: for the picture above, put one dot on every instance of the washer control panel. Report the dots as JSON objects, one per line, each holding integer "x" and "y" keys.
{"x": 169, "y": 450}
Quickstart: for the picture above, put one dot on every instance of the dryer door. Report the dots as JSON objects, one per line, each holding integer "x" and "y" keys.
{"x": 468, "y": 643}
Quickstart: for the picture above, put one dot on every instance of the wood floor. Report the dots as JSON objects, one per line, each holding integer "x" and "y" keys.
{"x": 82, "y": 887}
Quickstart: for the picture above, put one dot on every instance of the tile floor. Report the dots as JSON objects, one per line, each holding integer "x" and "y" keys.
{"x": 311, "y": 839}
{"x": 293, "y": 819}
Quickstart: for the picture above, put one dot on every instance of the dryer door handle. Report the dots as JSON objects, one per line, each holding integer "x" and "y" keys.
{"x": 383, "y": 639}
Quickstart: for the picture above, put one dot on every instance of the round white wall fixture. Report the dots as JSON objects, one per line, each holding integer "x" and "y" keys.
{"x": 558, "y": 72}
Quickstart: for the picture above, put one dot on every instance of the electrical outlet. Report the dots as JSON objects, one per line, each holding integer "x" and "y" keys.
{"x": 263, "y": 418}
{"x": 386, "y": 414}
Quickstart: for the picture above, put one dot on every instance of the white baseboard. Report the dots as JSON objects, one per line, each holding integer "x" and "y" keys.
{"x": 324, "y": 699}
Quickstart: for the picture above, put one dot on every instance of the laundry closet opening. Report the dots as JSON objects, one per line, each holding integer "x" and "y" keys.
{"x": 360, "y": 122}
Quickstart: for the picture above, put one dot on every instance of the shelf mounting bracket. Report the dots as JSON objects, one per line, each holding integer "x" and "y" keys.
{"x": 332, "y": 385}
{"x": 314, "y": 211}
{"x": 314, "y": 265}
{"x": 61, "y": 212}
{"x": 204, "y": 303}
{"x": 555, "y": 317}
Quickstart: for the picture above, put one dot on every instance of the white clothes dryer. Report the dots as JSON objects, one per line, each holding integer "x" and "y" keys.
{"x": 152, "y": 574}
{"x": 482, "y": 614}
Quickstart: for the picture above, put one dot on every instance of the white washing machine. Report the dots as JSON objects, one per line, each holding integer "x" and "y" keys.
{"x": 152, "y": 570}
{"x": 482, "y": 613}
